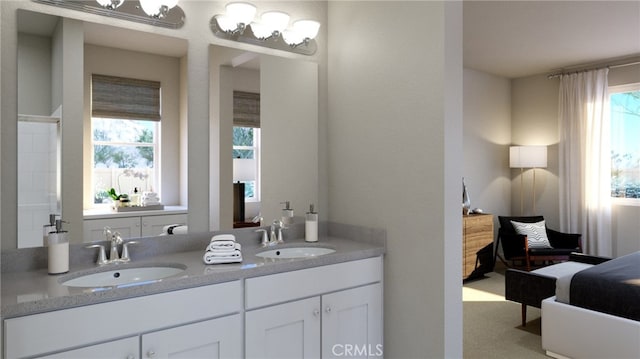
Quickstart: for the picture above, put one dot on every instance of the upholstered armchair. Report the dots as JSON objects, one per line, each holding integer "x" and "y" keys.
{"x": 527, "y": 239}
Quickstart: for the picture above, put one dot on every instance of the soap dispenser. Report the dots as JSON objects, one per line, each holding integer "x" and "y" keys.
{"x": 287, "y": 214}
{"x": 47, "y": 228}
{"x": 311, "y": 225}
{"x": 58, "y": 250}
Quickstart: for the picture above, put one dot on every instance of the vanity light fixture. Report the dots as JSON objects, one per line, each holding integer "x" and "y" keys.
{"x": 157, "y": 8}
{"x": 110, "y": 4}
{"x": 163, "y": 13}
{"x": 270, "y": 30}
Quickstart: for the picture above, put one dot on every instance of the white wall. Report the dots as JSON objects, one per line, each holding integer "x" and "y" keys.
{"x": 395, "y": 159}
{"x": 486, "y": 137}
{"x": 535, "y": 122}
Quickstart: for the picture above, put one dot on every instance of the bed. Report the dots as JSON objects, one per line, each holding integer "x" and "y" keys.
{"x": 599, "y": 315}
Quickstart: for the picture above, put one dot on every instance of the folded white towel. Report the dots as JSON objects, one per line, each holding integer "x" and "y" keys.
{"x": 150, "y": 203}
{"x": 227, "y": 246}
{"x": 213, "y": 258}
{"x": 149, "y": 193}
{"x": 223, "y": 237}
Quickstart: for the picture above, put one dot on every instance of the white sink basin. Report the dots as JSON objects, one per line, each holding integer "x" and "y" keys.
{"x": 124, "y": 277}
{"x": 295, "y": 252}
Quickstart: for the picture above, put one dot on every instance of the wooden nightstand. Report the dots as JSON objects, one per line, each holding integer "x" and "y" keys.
{"x": 477, "y": 245}
{"x": 245, "y": 224}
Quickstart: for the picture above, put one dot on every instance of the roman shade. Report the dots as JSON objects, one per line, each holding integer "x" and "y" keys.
{"x": 246, "y": 109}
{"x": 125, "y": 98}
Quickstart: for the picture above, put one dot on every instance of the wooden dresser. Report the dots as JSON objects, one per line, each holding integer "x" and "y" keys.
{"x": 477, "y": 245}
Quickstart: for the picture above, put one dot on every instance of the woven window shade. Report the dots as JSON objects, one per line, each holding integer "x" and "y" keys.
{"x": 246, "y": 109}
{"x": 118, "y": 97}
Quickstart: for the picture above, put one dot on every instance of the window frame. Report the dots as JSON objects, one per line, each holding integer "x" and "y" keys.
{"x": 631, "y": 87}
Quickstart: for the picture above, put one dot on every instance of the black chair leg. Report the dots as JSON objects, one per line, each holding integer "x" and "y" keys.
{"x": 524, "y": 315}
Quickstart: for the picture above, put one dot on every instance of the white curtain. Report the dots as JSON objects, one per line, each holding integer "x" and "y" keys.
{"x": 585, "y": 159}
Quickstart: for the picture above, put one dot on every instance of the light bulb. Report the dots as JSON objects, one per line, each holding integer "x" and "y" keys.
{"x": 275, "y": 20}
{"x": 261, "y": 30}
{"x": 308, "y": 29}
{"x": 292, "y": 37}
{"x": 241, "y": 12}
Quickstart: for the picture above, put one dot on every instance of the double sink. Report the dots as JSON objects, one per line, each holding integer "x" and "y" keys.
{"x": 132, "y": 276}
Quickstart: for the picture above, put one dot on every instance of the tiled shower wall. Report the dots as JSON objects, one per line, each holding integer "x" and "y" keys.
{"x": 37, "y": 180}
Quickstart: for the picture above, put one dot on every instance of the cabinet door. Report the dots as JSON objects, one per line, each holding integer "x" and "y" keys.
{"x": 215, "y": 338}
{"x": 290, "y": 330}
{"x": 129, "y": 227}
{"x": 352, "y": 323}
{"x": 153, "y": 225}
{"x": 124, "y": 348}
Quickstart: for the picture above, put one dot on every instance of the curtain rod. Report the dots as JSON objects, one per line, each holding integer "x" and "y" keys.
{"x": 612, "y": 66}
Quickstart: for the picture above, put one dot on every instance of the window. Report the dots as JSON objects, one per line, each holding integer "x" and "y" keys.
{"x": 625, "y": 144}
{"x": 246, "y": 143}
{"x": 125, "y": 125}
{"x": 246, "y": 147}
{"x": 124, "y": 156}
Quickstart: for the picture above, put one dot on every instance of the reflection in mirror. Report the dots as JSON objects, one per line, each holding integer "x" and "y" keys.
{"x": 288, "y": 89}
{"x": 38, "y": 126}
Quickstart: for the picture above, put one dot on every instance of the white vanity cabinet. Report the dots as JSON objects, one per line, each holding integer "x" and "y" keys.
{"x": 190, "y": 322}
{"x": 340, "y": 312}
{"x": 130, "y": 226}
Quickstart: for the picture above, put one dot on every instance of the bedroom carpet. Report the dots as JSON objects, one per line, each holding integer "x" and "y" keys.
{"x": 492, "y": 327}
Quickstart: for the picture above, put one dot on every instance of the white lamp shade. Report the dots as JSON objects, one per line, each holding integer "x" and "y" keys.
{"x": 275, "y": 20}
{"x": 307, "y": 28}
{"x": 241, "y": 12}
{"x": 528, "y": 156}
{"x": 244, "y": 169}
{"x": 261, "y": 30}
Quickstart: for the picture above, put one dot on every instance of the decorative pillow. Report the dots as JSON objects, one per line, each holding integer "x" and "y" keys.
{"x": 536, "y": 233}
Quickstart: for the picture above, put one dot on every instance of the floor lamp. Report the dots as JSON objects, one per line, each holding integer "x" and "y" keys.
{"x": 244, "y": 169}
{"x": 527, "y": 157}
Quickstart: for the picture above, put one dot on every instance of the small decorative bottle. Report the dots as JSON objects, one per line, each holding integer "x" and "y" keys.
{"x": 311, "y": 225}
{"x": 58, "y": 250}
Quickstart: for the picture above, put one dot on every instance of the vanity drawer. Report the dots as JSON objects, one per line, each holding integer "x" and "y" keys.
{"x": 283, "y": 287}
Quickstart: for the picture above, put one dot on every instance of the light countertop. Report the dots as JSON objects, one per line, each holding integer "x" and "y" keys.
{"x": 32, "y": 290}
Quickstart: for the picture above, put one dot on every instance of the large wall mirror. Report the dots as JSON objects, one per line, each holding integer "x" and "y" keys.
{"x": 288, "y": 89}
{"x": 288, "y": 158}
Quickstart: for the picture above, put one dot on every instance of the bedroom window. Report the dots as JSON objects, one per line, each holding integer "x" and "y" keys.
{"x": 246, "y": 143}
{"x": 625, "y": 147}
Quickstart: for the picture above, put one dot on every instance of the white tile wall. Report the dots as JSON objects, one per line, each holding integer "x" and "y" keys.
{"x": 37, "y": 154}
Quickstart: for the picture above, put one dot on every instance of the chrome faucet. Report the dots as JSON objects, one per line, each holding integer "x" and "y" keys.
{"x": 276, "y": 232}
{"x": 116, "y": 240}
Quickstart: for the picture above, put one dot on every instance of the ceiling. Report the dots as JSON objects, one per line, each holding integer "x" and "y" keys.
{"x": 505, "y": 38}
{"x": 521, "y": 38}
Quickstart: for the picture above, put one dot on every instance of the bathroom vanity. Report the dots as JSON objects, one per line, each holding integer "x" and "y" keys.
{"x": 262, "y": 307}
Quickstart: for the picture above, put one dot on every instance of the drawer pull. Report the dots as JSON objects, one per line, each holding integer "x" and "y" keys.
{"x": 151, "y": 354}
{"x": 327, "y": 309}
{"x": 316, "y": 312}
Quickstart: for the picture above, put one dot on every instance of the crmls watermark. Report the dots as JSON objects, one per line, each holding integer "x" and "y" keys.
{"x": 355, "y": 350}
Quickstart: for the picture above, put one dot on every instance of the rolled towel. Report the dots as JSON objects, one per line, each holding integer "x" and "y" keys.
{"x": 175, "y": 229}
{"x": 223, "y": 237}
{"x": 220, "y": 247}
{"x": 213, "y": 258}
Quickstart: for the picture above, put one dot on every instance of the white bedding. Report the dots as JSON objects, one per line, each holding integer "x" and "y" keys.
{"x": 563, "y": 272}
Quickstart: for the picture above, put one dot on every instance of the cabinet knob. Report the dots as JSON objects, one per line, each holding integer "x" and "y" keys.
{"x": 130, "y": 356}
{"x": 327, "y": 309}
{"x": 316, "y": 312}
{"x": 151, "y": 354}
